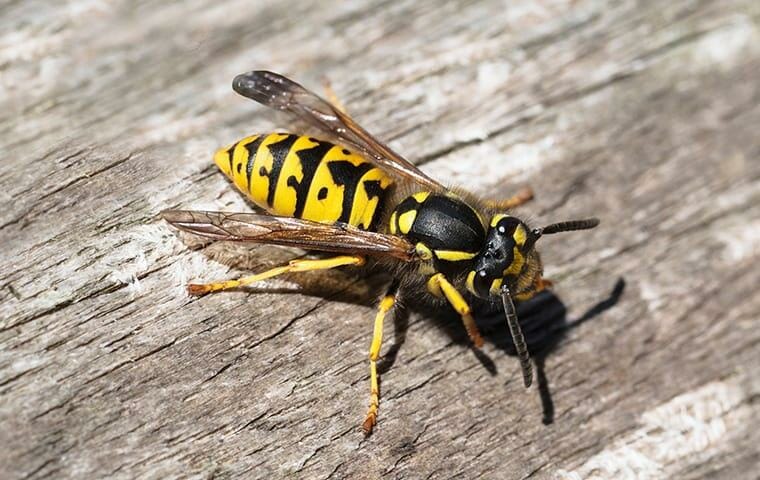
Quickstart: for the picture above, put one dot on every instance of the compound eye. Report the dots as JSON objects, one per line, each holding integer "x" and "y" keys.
{"x": 481, "y": 283}
{"x": 478, "y": 282}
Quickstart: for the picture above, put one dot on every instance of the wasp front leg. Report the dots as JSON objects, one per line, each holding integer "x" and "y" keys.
{"x": 543, "y": 284}
{"x": 539, "y": 285}
{"x": 439, "y": 286}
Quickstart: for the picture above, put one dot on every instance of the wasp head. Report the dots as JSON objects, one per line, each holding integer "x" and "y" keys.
{"x": 508, "y": 255}
{"x": 504, "y": 256}
{"x": 507, "y": 265}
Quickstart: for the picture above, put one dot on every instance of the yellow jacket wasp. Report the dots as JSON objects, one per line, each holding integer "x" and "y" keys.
{"x": 357, "y": 198}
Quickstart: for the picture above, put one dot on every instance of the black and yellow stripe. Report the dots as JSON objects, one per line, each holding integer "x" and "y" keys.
{"x": 303, "y": 177}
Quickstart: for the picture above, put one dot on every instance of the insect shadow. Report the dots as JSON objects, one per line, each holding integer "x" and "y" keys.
{"x": 544, "y": 323}
{"x": 543, "y": 320}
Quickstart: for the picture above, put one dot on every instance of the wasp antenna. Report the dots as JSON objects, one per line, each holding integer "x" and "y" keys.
{"x": 569, "y": 226}
{"x": 517, "y": 337}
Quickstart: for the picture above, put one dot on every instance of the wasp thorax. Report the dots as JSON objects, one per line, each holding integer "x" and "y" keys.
{"x": 443, "y": 228}
{"x": 501, "y": 259}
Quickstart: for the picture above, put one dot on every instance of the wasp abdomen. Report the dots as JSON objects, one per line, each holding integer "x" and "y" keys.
{"x": 303, "y": 177}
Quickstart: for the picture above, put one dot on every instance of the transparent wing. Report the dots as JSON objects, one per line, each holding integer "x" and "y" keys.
{"x": 281, "y": 93}
{"x": 252, "y": 227}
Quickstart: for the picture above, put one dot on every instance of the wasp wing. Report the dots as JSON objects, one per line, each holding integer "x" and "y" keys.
{"x": 281, "y": 93}
{"x": 288, "y": 231}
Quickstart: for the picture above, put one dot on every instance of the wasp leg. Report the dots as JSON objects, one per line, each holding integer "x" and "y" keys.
{"x": 294, "y": 266}
{"x": 386, "y": 304}
{"x": 539, "y": 285}
{"x": 543, "y": 284}
{"x": 524, "y": 195}
{"x": 441, "y": 287}
{"x": 331, "y": 96}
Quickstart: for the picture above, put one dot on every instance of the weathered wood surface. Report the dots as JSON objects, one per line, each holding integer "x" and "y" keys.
{"x": 643, "y": 113}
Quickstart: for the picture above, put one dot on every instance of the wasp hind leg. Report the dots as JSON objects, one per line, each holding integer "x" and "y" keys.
{"x": 523, "y": 195}
{"x": 300, "y": 265}
{"x": 386, "y": 304}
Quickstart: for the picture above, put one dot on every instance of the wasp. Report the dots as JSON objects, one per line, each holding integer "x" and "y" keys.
{"x": 353, "y": 197}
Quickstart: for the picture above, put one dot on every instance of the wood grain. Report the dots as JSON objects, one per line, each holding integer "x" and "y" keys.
{"x": 642, "y": 113}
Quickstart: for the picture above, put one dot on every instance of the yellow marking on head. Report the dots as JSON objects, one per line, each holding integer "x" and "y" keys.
{"x": 434, "y": 286}
{"x": 520, "y": 235}
{"x": 454, "y": 255}
{"x": 471, "y": 282}
{"x": 496, "y": 218}
{"x": 423, "y": 251}
{"x": 393, "y": 223}
{"x": 421, "y": 196}
{"x": 496, "y": 287}
{"x": 405, "y": 221}
{"x": 517, "y": 263}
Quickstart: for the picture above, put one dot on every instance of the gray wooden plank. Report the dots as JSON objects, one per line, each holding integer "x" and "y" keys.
{"x": 642, "y": 113}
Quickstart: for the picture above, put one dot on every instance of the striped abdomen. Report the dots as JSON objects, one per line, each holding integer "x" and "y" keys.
{"x": 303, "y": 177}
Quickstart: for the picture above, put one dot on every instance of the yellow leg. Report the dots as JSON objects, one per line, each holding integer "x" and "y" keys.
{"x": 331, "y": 96}
{"x": 524, "y": 195}
{"x": 438, "y": 284}
{"x": 293, "y": 266}
{"x": 374, "y": 352}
